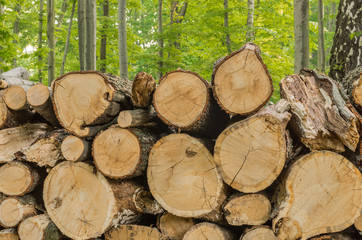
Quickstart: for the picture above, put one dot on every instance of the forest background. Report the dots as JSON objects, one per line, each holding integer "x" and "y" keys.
{"x": 160, "y": 36}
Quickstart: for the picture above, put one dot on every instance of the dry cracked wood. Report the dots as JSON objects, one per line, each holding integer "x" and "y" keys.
{"x": 136, "y": 118}
{"x": 207, "y": 231}
{"x": 250, "y": 154}
{"x": 241, "y": 82}
{"x": 353, "y": 86}
{"x": 181, "y": 164}
{"x": 122, "y": 153}
{"x": 76, "y": 149}
{"x": 9, "y": 234}
{"x": 86, "y": 102}
{"x": 248, "y": 209}
{"x": 321, "y": 116}
{"x": 143, "y": 87}
{"x": 259, "y": 233}
{"x": 14, "y": 210}
{"x": 184, "y": 101}
{"x": 14, "y": 139}
{"x": 317, "y": 187}
{"x": 174, "y": 227}
{"x": 38, "y": 227}
{"x": 17, "y": 178}
{"x": 145, "y": 202}
{"x": 134, "y": 232}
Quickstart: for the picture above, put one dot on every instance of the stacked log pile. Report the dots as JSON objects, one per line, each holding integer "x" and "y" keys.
{"x": 100, "y": 157}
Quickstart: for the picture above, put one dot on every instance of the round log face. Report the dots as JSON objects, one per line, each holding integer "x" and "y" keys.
{"x": 11, "y": 212}
{"x": 3, "y": 113}
{"x": 38, "y": 94}
{"x": 250, "y": 154}
{"x": 241, "y": 83}
{"x": 72, "y": 148}
{"x": 134, "y": 232}
{"x": 33, "y": 228}
{"x": 174, "y": 227}
{"x": 116, "y": 152}
{"x": 319, "y": 186}
{"x": 80, "y": 202}
{"x": 181, "y": 98}
{"x": 15, "y": 97}
{"x": 259, "y": 233}
{"x": 206, "y": 231}
{"x": 182, "y": 176}
{"x": 15, "y": 179}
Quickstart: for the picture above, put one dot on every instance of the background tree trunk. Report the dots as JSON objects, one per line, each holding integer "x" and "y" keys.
{"x": 40, "y": 40}
{"x": 250, "y": 22}
{"x": 1, "y": 59}
{"x": 61, "y": 17}
{"x": 51, "y": 41}
{"x": 177, "y": 15}
{"x": 122, "y": 37}
{"x": 346, "y": 53}
{"x": 226, "y": 25}
{"x": 301, "y": 34}
{"x": 16, "y": 29}
{"x": 91, "y": 42}
{"x": 103, "y": 51}
{"x": 160, "y": 40}
{"x": 81, "y": 33}
{"x": 321, "y": 49}
{"x": 68, "y": 39}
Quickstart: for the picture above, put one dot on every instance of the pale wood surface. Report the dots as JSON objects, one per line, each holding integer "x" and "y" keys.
{"x": 76, "y": 149}
{"x": 174, "y": 227}
{"x": 14, "y": 210}
{"x": 9, "y": 234}
{"x": 15, "y": 98}
{"x": 39, "y": 227}
{"x": 134, "y": 232}
{"x": 207, "y": 231}
{"x": 358, "y": 223}
{"x": 136, "y": 118}
{"x": 259, "y": 233}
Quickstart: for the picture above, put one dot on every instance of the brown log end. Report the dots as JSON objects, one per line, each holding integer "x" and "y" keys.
{"x": 39, "y": 227}
{"x": 174, "y": 227}
{"x": 9, "y": 234}
{"x": 15, "y": 98}
{"x": 136, "y": 118}
{"x": 75, "y": 149}
{"x": 207, "y": 231}
{"x": 134, "y": 232}
{"x": 142, "y": 90}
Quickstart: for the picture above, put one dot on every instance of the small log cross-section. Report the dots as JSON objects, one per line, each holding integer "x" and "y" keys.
{"x": 9, "y": 234}
{"x": 182, "y": 165}
{"x": 15, "y": 98}
{"x": 248, "y": 209}
{"x": 75, "y": 149}
{"x": 120, "y": 153}
{"x": 14, "y": 210}
{"x": 39, "y": 227}
{"x": 241, "y": 82}
{"x": 142, "y": 90}
{"x": 183, "y": 100}
{"x": 17, "y": 178}
{"x": 250, "y": 154}
{"x": 207, "y": 231}
{"x": 321, "y": 116}
{"x": 317, "y": 187}
{"x": 258, "y": 233}
{"x": 86, "y": 102}
{"x": 136, "y": 118}
{"x": 174, "y": 227}
{"x": 134, "y": 232}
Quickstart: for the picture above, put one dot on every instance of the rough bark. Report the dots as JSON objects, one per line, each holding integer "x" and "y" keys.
{"x": 143, "y": 88}
{"x": 51, "y": 41}
{"x": 321, "y": 48}
{"x": 174, "y": 227}
{"x": 207, "y": 231}
{"x": 13, "y": 210}
{"x": 122, "y": 39}
{"x": 257, "y": 233}
{"x": 226, "y": 25}
{"x": 301, "y": 34}
{"x": 76, "y": 149}
{"x": 160, "y": 40}
{"x": 183, "y": 100}
{"x": 321, "y": 117}
{"x": 91, "y": 40}
{"x": 68, "y": 39}
{"x": 82, "y": 33}
{"x": 103, "y": 50}
{"x": 16, "y": 29}
{"x": 346, "y": 52}
{"x": 250, "y": 22}
{"x": 178, "y": 12}
{"x": 39, "y": 227}
{"x": 352, "y": 85}
{"x": 134, "y": 232}
{"x": 145, "y": 202}
{"x": 321, "y": 178}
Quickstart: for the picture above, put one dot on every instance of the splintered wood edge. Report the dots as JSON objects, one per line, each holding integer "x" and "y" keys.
{"x": 123, "y": 231}
{"x": 203, "y": 110}
{"x": 357, "y": 91}
{"x": 257, "y": 53}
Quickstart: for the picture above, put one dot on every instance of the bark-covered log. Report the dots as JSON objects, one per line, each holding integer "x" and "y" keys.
{"x": 39, "y": 227}
{"x": 122, "y": 153}
{"x": 76, "y": 149}
{"x": 241, "y": 82}
{"x": 17, "y": 178}
{"x": 146, "y": 203}
{"x": 17, "y": 138}
{"x": 248, "y": 209}
{"x": 250, "y": 154}
{"x": 14, "y": 210}
{"x": 184, "y": 101}
{"x": 15, "y": 98}
{"x": 134, "y": 232}
{"x": 143, "y": 88}
{"x": 86, "y": 102}
{"x": 16, "y": 76}
{"x": 321, "y": 116}
{"x": 317, "y": 187}
{"x": 137, "y": 118}
{"x": 39, "y": 97}
{"x": 9, "y": 234}
{"x": 174, "y": 227}
{"x": 258, "y": 233}
{"x": 207, "y": 231}
{"x": 182, "y": 165}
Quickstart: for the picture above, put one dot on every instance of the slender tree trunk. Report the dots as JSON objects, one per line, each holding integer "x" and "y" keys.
{"x": 51, "y": 41}
{"x": 177, "y": 15}
{"x": 91, "y": 17}
{"x": 321, "y": 50}
{"x": 68, "y": 39}
{"x": 16, "y": 30}
{"x": 40, "y": 40}
{"x": 1, "y": 59}
{"x": 226, "y": 25}
{"x": 250, "y": 22}
{"x": 61, "y": 17}
{"x": 301, "y": 34}
{"x": 160, "y": 40}
{"x": 122, "y": 37}
{"x": 81, "y": 33}
{"x": 103, "y": 50}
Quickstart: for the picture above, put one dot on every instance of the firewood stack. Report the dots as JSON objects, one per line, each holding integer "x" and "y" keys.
{"x": 99, "y": 157}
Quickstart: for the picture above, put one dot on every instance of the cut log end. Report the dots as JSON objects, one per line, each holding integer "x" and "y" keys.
{"x": 13, "y": 211}
{"x": 75, "y": 149}
{"x": 258, "y": 233}
{"x": 207, "y": 231}
{"x": 38, "y": 95}
{"x": 136, "y": 118}
{"x": 9, "y": 234}
{"x": 134, "y": 232}
{"x": 38, "y": 228}
{"x": 239, "y": 77}
{"x": 358, "y": 223}
{"x": 174, "y": 227}
{"x": 15, "y": 98}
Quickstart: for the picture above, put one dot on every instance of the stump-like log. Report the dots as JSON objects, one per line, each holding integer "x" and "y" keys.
{"x": 250, "y": 154}
{"x": 76, "y": 149}
{"x": 122, "y": 153}
{"x": 39, "y": 97}
{"x": 39, "y": 227}
{"x": 45, "y": 151}
{"x": 9, "y": 234}
{"x": 143, "y": 88}
{"x": 183, "y": 100}
{"x": 174, "y": 227}
{"x": 145, "y": 202}
{"x": 207, "y": 231}
{"x": 14, "y": 210}
{"x": 134, "y": 232}
{"x": 241, "y": 82}
{"x": 15, "y": 98}
{"x": 317, "y": 187}
{"x": 136, "y": 118}
{"x": 17, "y": 179}
{"x": 182, "y": 165}
{"x": 321, "y": 116}
{"x": 86, "y": 102}
{"x": 248, "y": 209}
{"x": 14, "y": 139}
{"x": 258, "y": 233}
